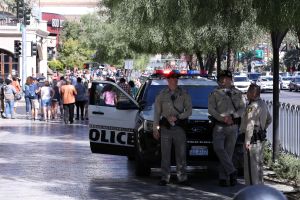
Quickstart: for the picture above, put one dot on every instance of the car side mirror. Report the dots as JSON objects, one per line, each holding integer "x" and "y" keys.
{"x": 142, "y": 104}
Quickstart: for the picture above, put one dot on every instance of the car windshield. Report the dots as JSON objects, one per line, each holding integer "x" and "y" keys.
{"x": 240, "y": 79}
{"x": 286, "y": 78}
{"x": 267, "y": 79}
{"x": 253, "y": 76}
{"x": 199, "y": 94}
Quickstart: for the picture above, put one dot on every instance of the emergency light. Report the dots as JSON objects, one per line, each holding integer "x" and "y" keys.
{"x": 165, "y": 72}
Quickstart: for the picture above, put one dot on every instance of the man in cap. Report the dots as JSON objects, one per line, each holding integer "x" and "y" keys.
{"x": 172, "y": 106}
{"x": 225, "y": 105}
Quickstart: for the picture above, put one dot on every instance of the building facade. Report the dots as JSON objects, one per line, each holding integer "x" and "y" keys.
{"x": 25, "y": 64}
{"x": 70, "y": 9}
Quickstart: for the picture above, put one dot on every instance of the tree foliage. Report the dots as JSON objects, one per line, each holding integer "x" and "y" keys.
{"x": 56, "y": 65}
{"x": 183, "y": 26}
{"x": 73, "y": 54}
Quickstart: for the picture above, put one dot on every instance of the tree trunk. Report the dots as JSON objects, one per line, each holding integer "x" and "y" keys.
{"x": 219, "y": 57}
{"x": 200, "y": 59}
{"x": 210, "y": 62}
{"x": 277, "y": 37}
{"x": 298, "y": 36}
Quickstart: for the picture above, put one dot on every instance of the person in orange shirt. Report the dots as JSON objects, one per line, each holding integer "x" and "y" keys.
{"x": 15, "y": 83}
{"x": 68, "y": 93}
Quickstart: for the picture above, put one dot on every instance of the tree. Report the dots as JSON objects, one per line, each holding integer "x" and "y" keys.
{"x": 73, "y": 54}
{"x": 55, "y": 65}
{"x": 188, "y": 26}
{"x": 276, "y": 16}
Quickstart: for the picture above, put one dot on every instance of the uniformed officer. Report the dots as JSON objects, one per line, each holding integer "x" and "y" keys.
{"x": 172, "y": 105}
{"x": 225, "y": 105}
{"x": 255, "y": 121}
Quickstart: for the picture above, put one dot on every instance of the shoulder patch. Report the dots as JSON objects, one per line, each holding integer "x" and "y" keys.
{"x": 249, "y": 109}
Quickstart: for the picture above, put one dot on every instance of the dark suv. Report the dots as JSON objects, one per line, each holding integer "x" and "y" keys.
{"x": 295, "y": 83}
{"x": 126, "y": 128}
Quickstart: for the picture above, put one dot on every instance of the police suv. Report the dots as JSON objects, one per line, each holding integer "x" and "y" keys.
{"x": 126, "y": 128}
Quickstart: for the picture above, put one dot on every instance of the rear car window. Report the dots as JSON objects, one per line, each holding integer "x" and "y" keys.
{"x": 199, "y": 94}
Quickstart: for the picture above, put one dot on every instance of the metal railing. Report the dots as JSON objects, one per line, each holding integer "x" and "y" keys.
{"x": 289, "y": 127}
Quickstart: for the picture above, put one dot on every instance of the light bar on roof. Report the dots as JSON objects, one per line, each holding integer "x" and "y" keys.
{"x": 181, "y": 72}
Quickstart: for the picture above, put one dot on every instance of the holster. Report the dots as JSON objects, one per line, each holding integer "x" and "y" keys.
{"x": 215, "y": 121}
{"x": 182, "y": 123}
{"x": 260, "y": 135}
{"x": 237, "y": 120}
{"x": 163, "y": 122}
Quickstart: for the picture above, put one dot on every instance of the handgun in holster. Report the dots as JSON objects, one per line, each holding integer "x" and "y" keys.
{"x": 260, "y": 135}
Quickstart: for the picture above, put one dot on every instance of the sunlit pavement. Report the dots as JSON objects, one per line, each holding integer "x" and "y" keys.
{"x": 51, "y": 160}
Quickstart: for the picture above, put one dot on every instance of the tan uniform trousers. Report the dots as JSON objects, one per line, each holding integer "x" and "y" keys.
{"x": 175, "y": 135}
{"x": 256, "y": 164}
{"x": 224, "y": 139}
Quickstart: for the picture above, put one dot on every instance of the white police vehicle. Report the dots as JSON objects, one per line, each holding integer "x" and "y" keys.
{"x": 126, "y": 128}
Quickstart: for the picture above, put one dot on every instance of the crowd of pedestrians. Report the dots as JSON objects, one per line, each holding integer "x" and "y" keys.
{"x": 63, "y": 97}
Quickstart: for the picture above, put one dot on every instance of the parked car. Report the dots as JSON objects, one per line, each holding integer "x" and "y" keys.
{"x": 295, "y": 83}
{"x": 296, "y": 73}
{"x": 265, "y": 83}
{"x": 241, "y": 82}
{"x": 285, "y": 74}
{"x": 253, "y": 76}
{"x": 285, "y": 81}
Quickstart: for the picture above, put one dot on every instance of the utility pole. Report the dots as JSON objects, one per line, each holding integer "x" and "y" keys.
{"x": 23, "y": 14}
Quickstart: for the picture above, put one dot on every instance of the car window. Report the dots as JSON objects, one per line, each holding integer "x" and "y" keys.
{"x": 240, "y": 79}
{"x": 199, "y": 94}
{"x": 286, "y": 78}
{"x": 297, "y": 79}
{"x": 106, "y": 94}
{"x": 253, "y": 76}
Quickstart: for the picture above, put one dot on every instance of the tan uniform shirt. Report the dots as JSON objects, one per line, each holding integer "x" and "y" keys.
{"x": 220, "y": 103}
{"x": 256, "y": 116}
{"x": 164, "y": 106}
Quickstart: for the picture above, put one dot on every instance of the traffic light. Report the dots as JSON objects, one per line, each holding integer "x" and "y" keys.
{"x": 27, "y": 16}
{"x": 33, "y": 49}
{"x": 20, "y": 9}
{"x": 18, "y": 47}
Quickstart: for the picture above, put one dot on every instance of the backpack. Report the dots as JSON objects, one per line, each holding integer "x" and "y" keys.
{"x": 31, "y": 92}
{"x": 8, "y": 95}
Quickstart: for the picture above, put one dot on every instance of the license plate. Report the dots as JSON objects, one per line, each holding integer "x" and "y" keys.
{"x": 198, "y": 151}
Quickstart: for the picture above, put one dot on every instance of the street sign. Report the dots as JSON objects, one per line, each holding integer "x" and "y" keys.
{"x": 128, "y": 64}
{"x": 259, "y": 54}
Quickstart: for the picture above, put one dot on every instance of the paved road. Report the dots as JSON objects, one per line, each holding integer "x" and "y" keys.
{"x": 51, "y": 160}
{"x": 285, "y": 96}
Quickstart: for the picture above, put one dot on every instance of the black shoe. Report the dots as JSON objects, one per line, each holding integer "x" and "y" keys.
{"x": 233, "y": 177}
{"x": 162, "y": 183}
{"x": 184, "y": 183}
{"x": 76, "y": 118}
{"x": 71, "y": 122}
{"x": 82, "y": 118}
{"x": 223, "y": 183}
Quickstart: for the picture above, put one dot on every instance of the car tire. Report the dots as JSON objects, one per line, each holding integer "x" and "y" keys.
{"x": 141, "y": 169}
{"x": 131, "y": 158}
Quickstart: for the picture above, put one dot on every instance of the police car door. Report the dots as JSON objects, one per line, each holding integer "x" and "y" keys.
{"x": 112, "y": 114}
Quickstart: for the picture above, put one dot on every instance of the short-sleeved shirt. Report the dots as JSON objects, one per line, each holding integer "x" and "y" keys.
{"x": 68, "y": 93}
{"x": 164, "y": 106}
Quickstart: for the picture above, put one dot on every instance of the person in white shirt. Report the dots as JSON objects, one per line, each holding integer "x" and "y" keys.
{"x": 47, "y": 93}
